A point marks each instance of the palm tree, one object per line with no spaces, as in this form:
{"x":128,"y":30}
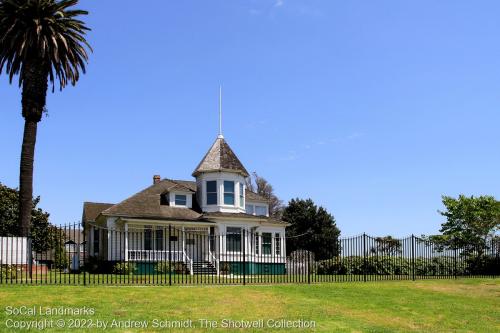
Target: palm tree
{"x":40,"y":41}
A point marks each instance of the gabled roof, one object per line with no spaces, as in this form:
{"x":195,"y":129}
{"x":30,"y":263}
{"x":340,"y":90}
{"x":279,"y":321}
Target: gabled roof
{"x":220,"y":157}
{"x":92,"y":209}
{"x":146,"y":204}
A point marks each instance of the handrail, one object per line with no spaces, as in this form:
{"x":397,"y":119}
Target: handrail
{"x":212,"y":259}
{"x":189,"y":261}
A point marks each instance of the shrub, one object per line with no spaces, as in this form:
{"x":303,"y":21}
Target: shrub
{"x":387,"y":265}
{"x":9,"y":272}
{"x":225,"y":268}
{"x":163,"y":267}
{"x":124,"y":268}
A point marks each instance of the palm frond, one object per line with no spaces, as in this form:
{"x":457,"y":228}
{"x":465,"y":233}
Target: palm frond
{"x":45,"y":31}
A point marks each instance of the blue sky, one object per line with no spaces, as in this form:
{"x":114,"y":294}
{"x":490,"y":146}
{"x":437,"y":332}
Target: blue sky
{"x":374,"y":109}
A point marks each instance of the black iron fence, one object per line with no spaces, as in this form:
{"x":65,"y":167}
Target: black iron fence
{"x":174,"y":255}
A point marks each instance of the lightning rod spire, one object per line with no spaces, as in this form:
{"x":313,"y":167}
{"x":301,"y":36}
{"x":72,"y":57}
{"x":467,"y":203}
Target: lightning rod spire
{"x":220,"y":136}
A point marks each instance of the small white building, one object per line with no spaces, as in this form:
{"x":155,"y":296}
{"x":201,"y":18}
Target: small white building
{"x":14,"y":251}
{"x":212,"y":221}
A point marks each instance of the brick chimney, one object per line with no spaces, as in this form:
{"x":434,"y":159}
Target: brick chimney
{"x":156,"y":179}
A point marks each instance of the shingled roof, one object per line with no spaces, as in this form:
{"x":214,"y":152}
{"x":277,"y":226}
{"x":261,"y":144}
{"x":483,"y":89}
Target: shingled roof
{"x":146,"y":204}
{"x":220,"y":157}
{"x":92,"y":209}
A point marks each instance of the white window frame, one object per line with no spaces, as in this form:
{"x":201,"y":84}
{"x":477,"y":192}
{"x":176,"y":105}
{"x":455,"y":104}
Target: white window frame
{"x":216,"y":193}
{"x":242,"y":239}
{"x":185,"y":200}
{"x":224,"y":193}
{"x":241,"y":188}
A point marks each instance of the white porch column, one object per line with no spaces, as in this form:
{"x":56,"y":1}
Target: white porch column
{"x":183,"y":245}
{"x":109,"y":245}
{"x":126,"y":241}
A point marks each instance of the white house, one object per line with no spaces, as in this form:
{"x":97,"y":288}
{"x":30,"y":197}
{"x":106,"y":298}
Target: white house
{"x":212,"y":222}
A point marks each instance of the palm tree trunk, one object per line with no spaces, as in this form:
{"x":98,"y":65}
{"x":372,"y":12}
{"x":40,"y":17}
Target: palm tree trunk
{"x":33,"y":104}
{"x":26,"y":176}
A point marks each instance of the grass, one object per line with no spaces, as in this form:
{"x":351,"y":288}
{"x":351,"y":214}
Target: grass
{"x":462,"y":305}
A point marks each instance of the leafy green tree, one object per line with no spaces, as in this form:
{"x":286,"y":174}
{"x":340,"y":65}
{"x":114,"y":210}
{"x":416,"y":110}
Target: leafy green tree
{"x":43,"y":235}
{"x":312,"y":228}
{"x":40,"y":41}
{"x":471,"y":222}
{"x":386,"y":246}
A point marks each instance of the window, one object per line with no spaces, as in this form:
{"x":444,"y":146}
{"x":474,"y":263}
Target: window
{"x":164,"y":200}
{"x":261,"y":210}
{"x":159,"y":239}
{"x":212,"y":192}
{"x":249,"y":209}
{"x":180,"y":200}
{"x":242,"y":196}
{"x":228,"y":192}
{"x":277,"y":244}
{"x":148,"y":235}
{"x":256,"y":243}
{"x":233,"y":239}
{"x":189,"y":241}
{"x":266,"y":242}
{"x":96,"y":241}
{"x":173,"y":238}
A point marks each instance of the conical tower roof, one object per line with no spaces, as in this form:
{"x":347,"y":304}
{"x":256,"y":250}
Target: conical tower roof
{"x":220,"y":157}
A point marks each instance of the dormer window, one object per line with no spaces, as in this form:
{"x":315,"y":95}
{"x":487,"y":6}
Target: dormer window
{"x":212,"y":192}
{"x":164,"y":199}
{"x":228,"y":192}
{"x":180,"y":200}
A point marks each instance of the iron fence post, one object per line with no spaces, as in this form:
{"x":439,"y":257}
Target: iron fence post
{"x":169,"y":255}
{"x":244,"y":254}
{"x":85,"y":249}
{"x":308,"y":253}
{"x":455,"y":262}
{"x":364,"y":257}
{"x":413,"y":257}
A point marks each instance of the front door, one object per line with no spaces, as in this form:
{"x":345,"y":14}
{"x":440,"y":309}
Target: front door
{"x":192,"y":248}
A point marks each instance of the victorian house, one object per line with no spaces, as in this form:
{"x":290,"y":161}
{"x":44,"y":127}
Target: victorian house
{"x":211,"y":224}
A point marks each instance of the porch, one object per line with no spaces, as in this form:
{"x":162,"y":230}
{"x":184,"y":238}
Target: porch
{"x":201,"y":249}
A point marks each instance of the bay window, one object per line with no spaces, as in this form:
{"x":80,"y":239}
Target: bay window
{"x":242,"y":196}
{"x":212,"y":192}
{"x":228,"y":192}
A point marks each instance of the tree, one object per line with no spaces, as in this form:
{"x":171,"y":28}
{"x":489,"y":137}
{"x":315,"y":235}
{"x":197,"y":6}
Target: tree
{"x":312,"y":228}
{"x":41,"y":41}
{"x":386,"y":246}
{"x":41,"y":230}
{"x":261,"y":186}
{"x":470,"y":222}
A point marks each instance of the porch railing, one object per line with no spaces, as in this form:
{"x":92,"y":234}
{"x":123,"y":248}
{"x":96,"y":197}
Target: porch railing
{"x":214,"y":261}
{"x":153,"y":255}
{"x":188,"y":261}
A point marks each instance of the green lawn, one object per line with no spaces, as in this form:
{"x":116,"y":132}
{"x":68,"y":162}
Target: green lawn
{"x":463,"y":305}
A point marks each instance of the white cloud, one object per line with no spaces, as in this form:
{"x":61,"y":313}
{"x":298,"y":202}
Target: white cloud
{"x":279,"y":3}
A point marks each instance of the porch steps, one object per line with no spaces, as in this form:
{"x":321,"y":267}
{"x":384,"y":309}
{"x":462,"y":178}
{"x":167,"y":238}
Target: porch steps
{"x":204,"y":267}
